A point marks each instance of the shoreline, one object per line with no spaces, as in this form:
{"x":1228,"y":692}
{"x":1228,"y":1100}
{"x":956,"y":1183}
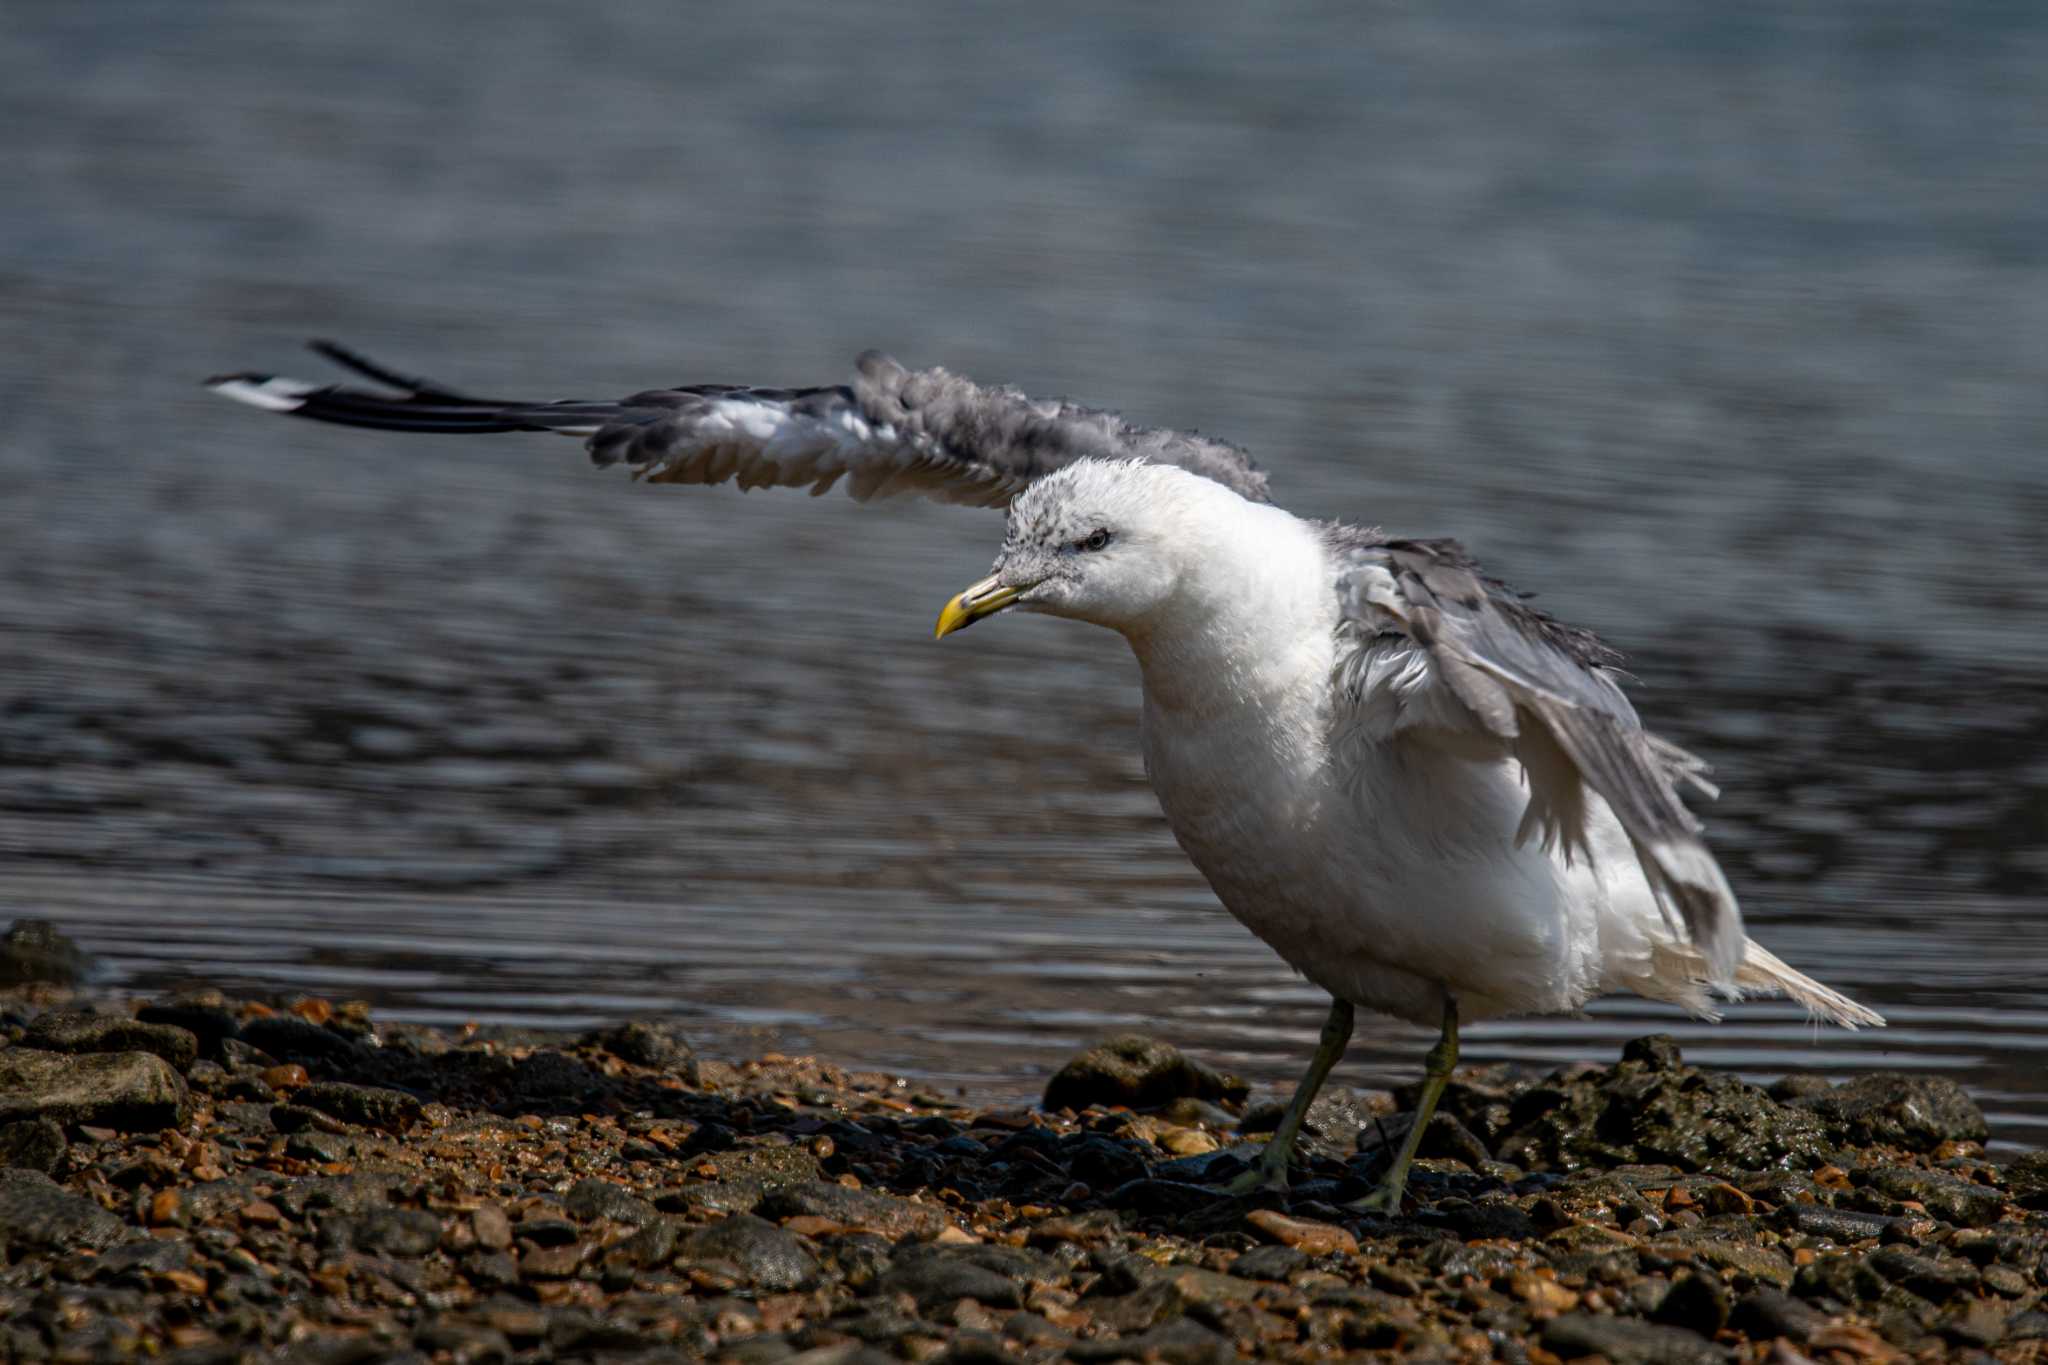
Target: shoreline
{"x":203,"y":1179}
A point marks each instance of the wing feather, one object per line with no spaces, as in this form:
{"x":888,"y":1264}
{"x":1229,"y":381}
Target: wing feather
{"x":891,"y":431}
{"x":1547,"y":692}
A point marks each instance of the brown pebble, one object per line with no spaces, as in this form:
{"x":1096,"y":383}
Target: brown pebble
{"x":312,"y":1010}
{"x":551,"y":1263}
{"x":184,"y":1281}
{"x":1542,"y":1295}
{"x":163,"y":1208}
{"x":262,"y":1212}
{"x":288,"y":1076}
{"x":954,"y":1237}
{"x":493,"y":1227}
{"x":1303,"y":1234}
{"x":811,"y":1225}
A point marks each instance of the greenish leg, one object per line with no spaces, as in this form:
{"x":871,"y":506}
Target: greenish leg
{"x":1271,"y":1168}
{"x":1437,"y":1068}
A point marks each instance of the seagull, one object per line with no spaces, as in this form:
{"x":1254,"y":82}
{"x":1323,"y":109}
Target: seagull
{"x":1430,"y":798}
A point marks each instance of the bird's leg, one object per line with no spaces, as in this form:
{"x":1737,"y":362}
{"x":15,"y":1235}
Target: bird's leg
{"x":1437,"y":1068}
{"x":1270,"y":1170}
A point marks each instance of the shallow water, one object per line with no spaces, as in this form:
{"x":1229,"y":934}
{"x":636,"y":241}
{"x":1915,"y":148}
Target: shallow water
{"x":1722,"y":331}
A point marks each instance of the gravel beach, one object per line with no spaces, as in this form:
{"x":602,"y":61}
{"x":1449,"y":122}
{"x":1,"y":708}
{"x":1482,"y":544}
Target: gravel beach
{"x":204,"y":1179}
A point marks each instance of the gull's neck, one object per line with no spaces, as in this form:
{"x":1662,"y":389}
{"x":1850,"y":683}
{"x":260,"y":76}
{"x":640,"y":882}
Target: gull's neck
{"x":1251,"y":622}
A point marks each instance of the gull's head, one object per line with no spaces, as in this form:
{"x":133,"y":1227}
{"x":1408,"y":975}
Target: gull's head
{"x":1100,"y":541}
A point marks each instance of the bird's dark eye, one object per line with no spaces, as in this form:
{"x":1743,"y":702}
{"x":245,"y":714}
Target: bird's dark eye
{"x":1098,"y":539}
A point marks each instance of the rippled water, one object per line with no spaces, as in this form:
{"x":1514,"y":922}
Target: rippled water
{"x":1722,"y":328}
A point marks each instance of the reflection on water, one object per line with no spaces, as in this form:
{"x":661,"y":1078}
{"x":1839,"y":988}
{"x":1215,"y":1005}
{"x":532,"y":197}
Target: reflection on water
{"x":1747,"y":379}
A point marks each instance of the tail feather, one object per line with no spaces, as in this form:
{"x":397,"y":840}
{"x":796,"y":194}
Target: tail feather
{"x":1762,"y":970}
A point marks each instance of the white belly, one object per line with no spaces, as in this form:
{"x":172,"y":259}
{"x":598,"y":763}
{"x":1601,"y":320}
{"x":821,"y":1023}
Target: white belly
{"x":1388,"y":884}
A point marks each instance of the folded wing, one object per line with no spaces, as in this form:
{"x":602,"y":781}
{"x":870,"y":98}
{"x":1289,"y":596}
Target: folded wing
{"x":1547,"y":692}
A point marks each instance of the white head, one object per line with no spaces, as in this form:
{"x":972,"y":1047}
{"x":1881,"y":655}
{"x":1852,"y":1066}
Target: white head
{"x":1102,"y":541}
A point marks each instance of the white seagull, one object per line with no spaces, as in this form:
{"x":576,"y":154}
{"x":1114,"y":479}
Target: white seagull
{"x":1430,"y":798}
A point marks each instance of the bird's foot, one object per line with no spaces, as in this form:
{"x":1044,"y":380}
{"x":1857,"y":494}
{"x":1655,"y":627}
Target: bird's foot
{"x":1386,"y":1199}
{"x":1268,"y":1172}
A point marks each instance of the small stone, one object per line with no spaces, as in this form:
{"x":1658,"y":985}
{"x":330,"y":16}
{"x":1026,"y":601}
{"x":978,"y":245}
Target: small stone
{"x":591,"y":1198}
{"x":1304,"y":1235}
{"x":1698,"y":1303}
{"x":935,"y":1277}
{"x":493,"y":1228}
{"x":1544,"y":1296}
{"x":1934,"y":1279}
{"x":771,"y":1257}
{"x":551,"y":1263}
{"x":2027,"y":1179}
{"x":123,"y":1090}
{"x":644,"y":1043}
{"x":285,"y":1076}
{"x":32,"y":1144}
{"x":1627,"y":1342}
{"x":1768,"y":1313}
{"x":888,"y":1214}
{"x":1139,"y":1073}
{"x":37,"y":1213}
{"x":166,"y":1209}
{"x":394,"y":1232}
{"x":287,"y":1038}
{"x":1655,"y":1052}
{"x":1945,"y":1196}
{"x":371,"y":1106}
{"x":1269,"y":1263}
{"x":79,"y":1031}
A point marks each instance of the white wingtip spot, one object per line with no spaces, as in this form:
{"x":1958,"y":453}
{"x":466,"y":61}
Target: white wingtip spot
{"x":272,"y":395}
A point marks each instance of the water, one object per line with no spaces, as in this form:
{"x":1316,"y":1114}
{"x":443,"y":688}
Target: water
{"x":1721,"y":328}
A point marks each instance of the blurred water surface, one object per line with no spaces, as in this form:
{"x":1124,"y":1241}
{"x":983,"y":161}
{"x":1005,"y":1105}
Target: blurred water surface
{"x":1723,"y":327}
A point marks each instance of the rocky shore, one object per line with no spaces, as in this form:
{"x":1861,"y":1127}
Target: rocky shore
{"x":201,"y":1179}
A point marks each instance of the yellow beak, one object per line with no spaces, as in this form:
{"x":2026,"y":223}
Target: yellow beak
{"x":985,"y":598}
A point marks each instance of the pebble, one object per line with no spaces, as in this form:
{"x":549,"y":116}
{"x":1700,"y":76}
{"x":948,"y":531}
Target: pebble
{"x":121,"y":1090}
{"x":1304,"y":1235}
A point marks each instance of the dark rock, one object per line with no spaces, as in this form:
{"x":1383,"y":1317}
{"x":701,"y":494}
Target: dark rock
{"x":35,"y":1212}
{"x":652,"y":1245}
{"x":543,"y":1231}
{"x":127,"y":1090}
{"x":131,"y":1258}
{"x":1101,"y":1162}
{"x":2028,"y":1326}
{"x":1838,"y":1225}
{"x":1484,"y":1220}
{"x":320,"y":1147}
{"x":548,"y":1075}
{"x":1180,"y":1342}
{"x":32,"y":952}
{"x":1627,"y":1342}
{"x":935,"y":1276}
{"x":1941,"y":1194}
{"x":1935,"y":1280}
{"x":1645,"y":1111}
{"x":1137,"y":1072}
{"x":32,"y":1145}
{"x":1268,"y":1263}
{"x":773,"y":1258}
{"x":288,"y":1038}
{"x":885,"y":1213}
{"x":591,"y":1198}
{"x":2026,"y":1178}
{"x":644,"y":1043}
{"x":1655,"y":1051}
{"x":393,"y":1232}
{"x":767,"y":1168}
{"x":371,"y":1106}
{"x":1699,"y":1303}
{"x":78,"y":1031}
{"x":209,"y":1023}
{"x":1798,"y":1086}
{"x":1332,"y":1128}
{"x":1845,"y":1279}
{"x":1769,"y":1313}
{"x":1889,"y":1108}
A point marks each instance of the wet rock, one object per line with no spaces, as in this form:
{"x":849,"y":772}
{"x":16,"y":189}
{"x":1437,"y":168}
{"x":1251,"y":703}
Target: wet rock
{"x":1139,"y":1073}
{"x":1933,"y":1279}
{"x":2026,"y":1179}
{"x":287,"y":1038}
{"x":773,"y":1258}
{"x":888,"y":1214}
{"x":1180,"y":1342}
{"x":125,"y":1090}
{"x":132,"y":1258}
{"x":32,"y":952}
{"x":1941,"y":1194}
{"x":1889,"y":1108}
{"x":1269,"y":1263}
{"x":1627,"y":1342}
{"x":32,"y":1145}
{"x":935,"y":1276}
{"x":210,"y":1023}
{"x":1699,"y":1303}
{"x":370,"y":1106}
{"x":1305,"y":1235}
{"x":319,"y":1147}
{"x":393,"y":1232}
{"x":37,"y":1213}
{"x":77,"y":1031}
{"x":651,"y":1245}
{"x":1768,"y":1313}
{"x":1838,"y":1225}
{"x":644,"y":1043}
{"x":592,"y":1198}
{"x":1652,"y":1109}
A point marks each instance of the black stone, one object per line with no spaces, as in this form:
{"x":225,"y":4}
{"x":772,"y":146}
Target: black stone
{"x":936,"y":1276}
{"x":79,"y":1031}
{"x":773,"y":1258}
{"x":1138,"y":1072}
{"x":371,"y":1106}
{"x":1889,"y":1108}
{"x":32,"y":1145}
{"x":1697,"y":1302}
{"x":592,"y":1198}
{"x":1628,"y":1342}
{"x":1765,"y":1314}
{"x":1268,"y":1263}
{"x":32,"y":952}
{"x":36,"y":1213}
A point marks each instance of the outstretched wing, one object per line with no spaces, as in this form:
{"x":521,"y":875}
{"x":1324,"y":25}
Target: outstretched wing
{"x":1493,"y":668}
{"x":891,"y":431}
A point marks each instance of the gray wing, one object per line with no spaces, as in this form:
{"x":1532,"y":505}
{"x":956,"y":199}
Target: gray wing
{"x":891,"y":431}
{"x":1547,"y":692}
